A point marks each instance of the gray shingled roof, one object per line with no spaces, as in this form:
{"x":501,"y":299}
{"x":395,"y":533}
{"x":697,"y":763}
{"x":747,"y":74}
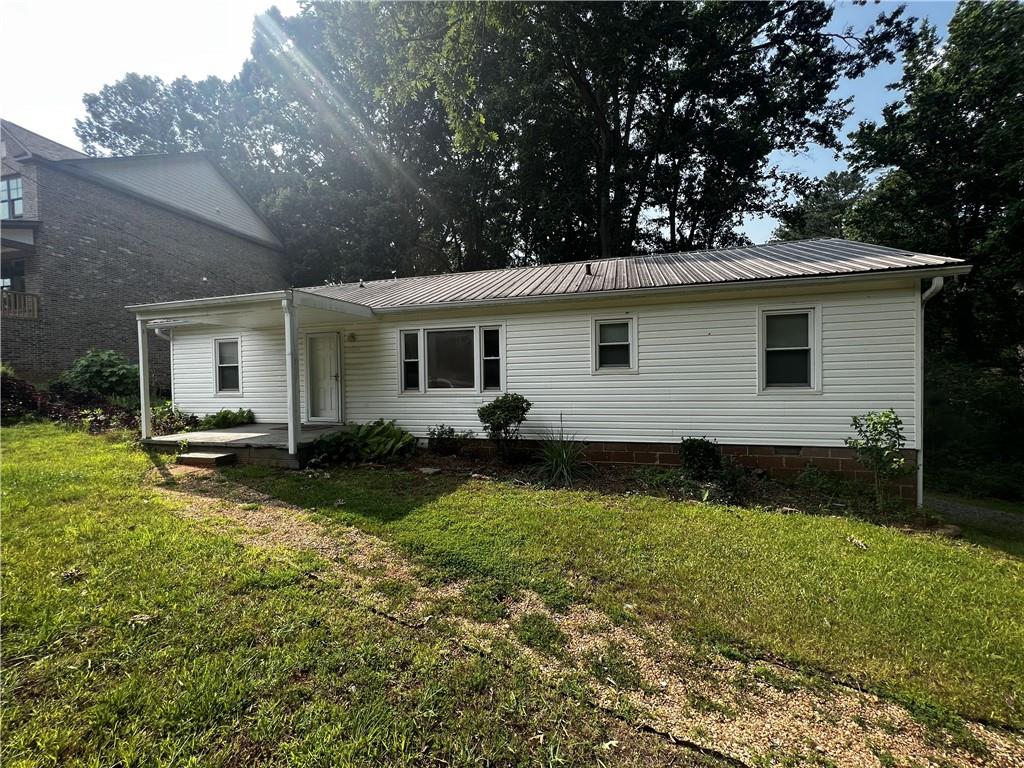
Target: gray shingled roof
{"x":40,"y":146}
{"x":803,"y":258}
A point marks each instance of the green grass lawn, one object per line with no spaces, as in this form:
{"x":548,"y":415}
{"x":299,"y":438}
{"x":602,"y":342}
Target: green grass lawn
{"x":929,"y":621}
{"x":134,"y":637}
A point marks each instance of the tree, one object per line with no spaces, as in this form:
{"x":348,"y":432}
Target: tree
{"x":822,"y":210}
{"x":674,"y":108}
{"x":953,"y":152}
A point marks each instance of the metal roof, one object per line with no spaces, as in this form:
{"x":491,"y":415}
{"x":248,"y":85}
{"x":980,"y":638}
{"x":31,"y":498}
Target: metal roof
{"x":801,"y":258}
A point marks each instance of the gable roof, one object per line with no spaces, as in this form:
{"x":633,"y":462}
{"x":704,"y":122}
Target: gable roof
{"x":31,"y":143}
{"x":794,"y":259}
{"x":188,"y":182}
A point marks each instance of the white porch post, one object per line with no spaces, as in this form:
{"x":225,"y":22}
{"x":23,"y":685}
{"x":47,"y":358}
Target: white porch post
{"x":144,"y":421}
{"x":291,"y":351}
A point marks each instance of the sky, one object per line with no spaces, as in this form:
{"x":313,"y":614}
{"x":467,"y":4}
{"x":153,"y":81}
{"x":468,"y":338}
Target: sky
{"x":72,"y":47}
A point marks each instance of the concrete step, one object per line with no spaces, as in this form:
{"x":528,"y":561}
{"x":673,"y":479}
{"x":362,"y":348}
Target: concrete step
{"x":202,"y":459}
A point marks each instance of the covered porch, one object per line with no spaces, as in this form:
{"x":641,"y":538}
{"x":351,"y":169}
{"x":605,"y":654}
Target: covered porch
{"x":284,"y":314}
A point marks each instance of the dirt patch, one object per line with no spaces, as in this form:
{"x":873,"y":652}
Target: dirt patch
{"x":756,"y":712}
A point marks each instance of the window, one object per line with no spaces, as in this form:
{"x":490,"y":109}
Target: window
{"x":613,"y":345}
{"x":451,"y":359}
{"x":229,"y":369}
{"x":446,"y":359}
{"x":12,"y":275}
{"x":490,"y":363}
{"x":11,"y":198}
{"x":410,"y":361}
{"x":787,"y":349}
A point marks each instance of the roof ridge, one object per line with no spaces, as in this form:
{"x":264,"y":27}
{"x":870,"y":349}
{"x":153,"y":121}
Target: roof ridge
{"x":4,"y":122}
{"x":604,"y":260}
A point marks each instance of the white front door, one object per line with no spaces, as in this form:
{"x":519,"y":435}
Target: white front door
{"x":323,"y":370}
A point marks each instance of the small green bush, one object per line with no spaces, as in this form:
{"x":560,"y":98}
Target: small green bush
{"x":700,"y":458}
{"x":879,"y":446}
{"x":227,"y":418}
{"x":562,"y":458}
{"x":502,"y":418}
{"x":379,"y":441}
{"x":99,"y":374}
{"x":446,"y":441}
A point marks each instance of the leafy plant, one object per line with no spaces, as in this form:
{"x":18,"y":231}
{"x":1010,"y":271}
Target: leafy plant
{"x":98,"y":374}
{"x":227,"y":418}
{"x":700,"y":458}
{"x":562,"y":457}
{"x":18,"y":398}
{"x":502,"y":418}
{"x":879,"y":446}
{"x":379,"y":441}
{"x":444,"y":440}
{"x":168,"y":420}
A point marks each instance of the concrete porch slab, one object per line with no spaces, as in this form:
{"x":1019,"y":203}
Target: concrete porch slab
{"x":269,"y":435}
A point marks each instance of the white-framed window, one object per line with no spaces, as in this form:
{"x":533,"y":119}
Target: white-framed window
{"x":451,"y":359}
{"x":490,"y":359}
{"x":227,"y":357}
{"x":614,"y":345}
{"x":789,"y":350}
{"x":410,"y":353}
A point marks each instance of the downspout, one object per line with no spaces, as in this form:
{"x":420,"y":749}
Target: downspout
{"x":933,"y":289}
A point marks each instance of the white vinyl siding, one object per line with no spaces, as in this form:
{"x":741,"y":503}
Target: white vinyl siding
{"x":697,"y":363}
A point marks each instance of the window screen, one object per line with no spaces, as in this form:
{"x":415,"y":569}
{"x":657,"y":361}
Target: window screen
{"x":787,"y":351}
{"x":450,"y":363}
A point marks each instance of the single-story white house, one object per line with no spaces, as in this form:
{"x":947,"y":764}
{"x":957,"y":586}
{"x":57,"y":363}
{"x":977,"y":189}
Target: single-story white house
{"x":768,"y":350}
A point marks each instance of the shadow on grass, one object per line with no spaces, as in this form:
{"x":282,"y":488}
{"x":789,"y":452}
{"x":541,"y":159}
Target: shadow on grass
{"x":381,"y":496}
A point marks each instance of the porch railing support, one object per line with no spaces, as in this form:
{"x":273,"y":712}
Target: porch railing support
{"x":145,"y":418}
{"x":291,"y":350}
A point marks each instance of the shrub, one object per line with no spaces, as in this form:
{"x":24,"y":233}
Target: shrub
{"x":879,"y":446}
{"x":227,"y":418}
{"x":502,"y":418}
{"x":561,"y":457}
{"x":19,"y":399}
{"x":379,"y":441}
{"x":700,"y":458}
{"x":445,"y":441}
{"x":168,"y":420}
{"x":98,"y":374}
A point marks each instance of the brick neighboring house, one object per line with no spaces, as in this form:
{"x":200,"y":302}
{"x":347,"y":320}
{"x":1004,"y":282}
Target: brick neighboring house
{"x":83,"y":237}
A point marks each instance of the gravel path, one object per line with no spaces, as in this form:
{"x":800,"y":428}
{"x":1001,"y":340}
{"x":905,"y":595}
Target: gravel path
{"x":963,"y":513}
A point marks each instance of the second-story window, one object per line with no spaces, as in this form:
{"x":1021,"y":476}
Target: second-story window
{"x":12,"y":202}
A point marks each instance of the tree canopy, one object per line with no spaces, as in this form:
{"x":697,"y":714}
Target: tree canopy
{"x":443,"y":136}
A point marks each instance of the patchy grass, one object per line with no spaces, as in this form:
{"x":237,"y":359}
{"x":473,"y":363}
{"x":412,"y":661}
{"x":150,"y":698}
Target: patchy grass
{"x":134,"y":637}
{"x":538,"y":631}
{"x":909,"y":615}
{"x":614,"y":666}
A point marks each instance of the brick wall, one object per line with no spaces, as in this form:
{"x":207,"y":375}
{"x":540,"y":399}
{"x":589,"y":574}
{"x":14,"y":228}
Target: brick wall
{"x":780,"y":462}
{"x":99,"y":250}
